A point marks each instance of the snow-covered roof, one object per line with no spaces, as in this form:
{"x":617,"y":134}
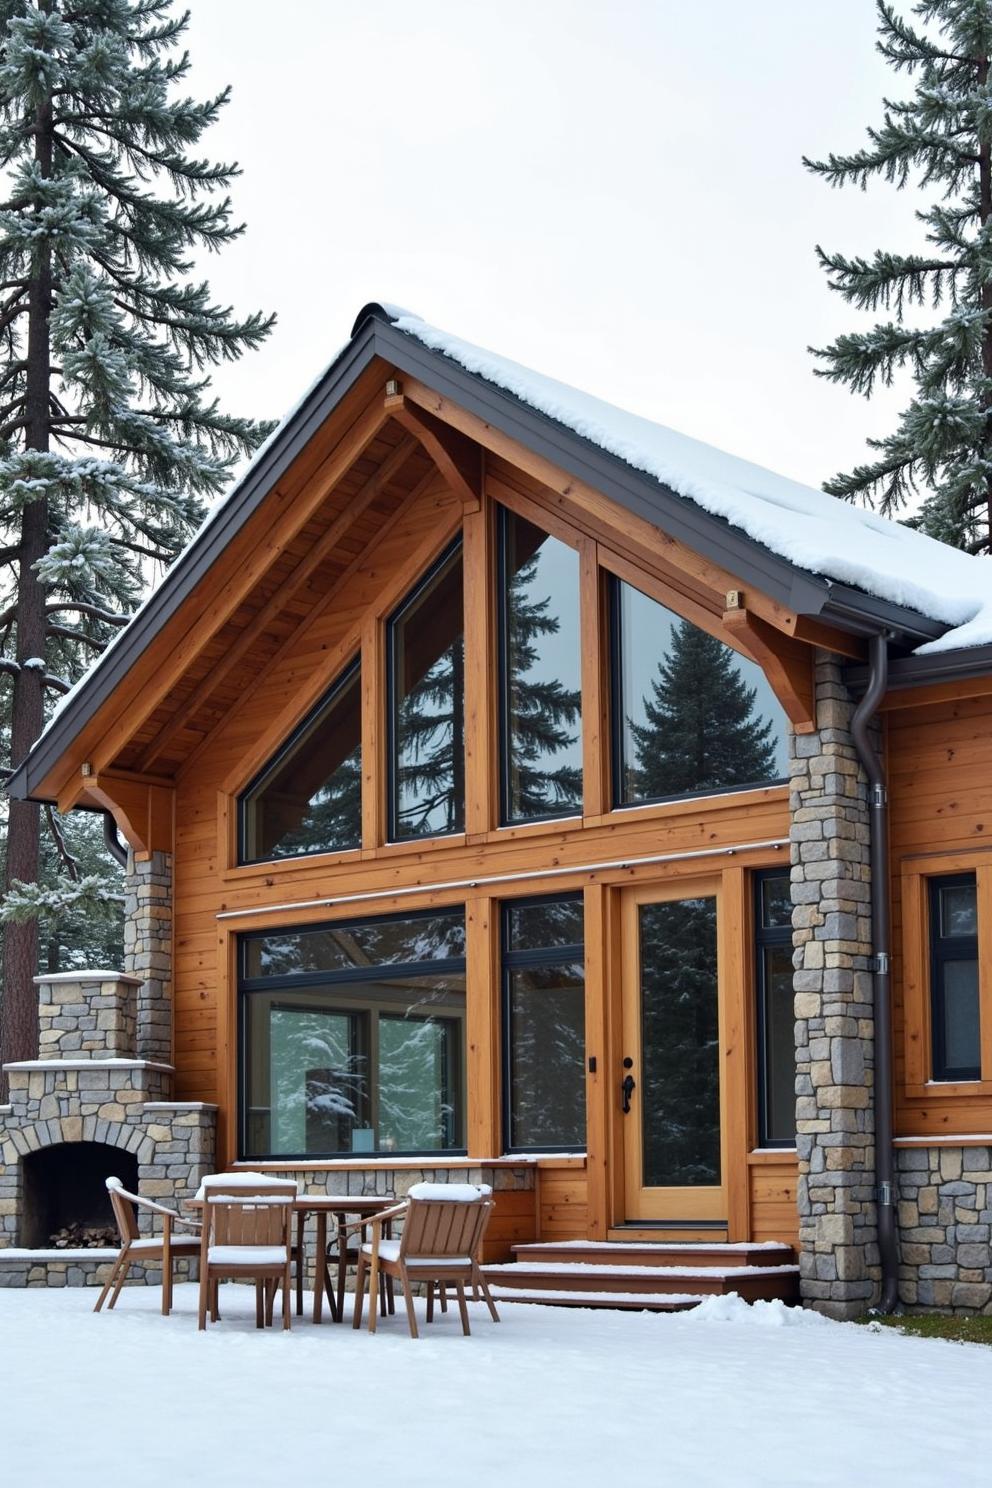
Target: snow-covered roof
{"x":791,"y":528}
{"x":816,"y":532}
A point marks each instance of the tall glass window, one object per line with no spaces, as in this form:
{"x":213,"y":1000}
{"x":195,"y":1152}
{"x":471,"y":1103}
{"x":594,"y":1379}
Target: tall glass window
{"x":680,"y":1043}
{"x":426,"y":655}
{"x":776,"y":1011}
{"x":540,"y":663}
{"x":544,"y":1025}
{"x":954,"y":991}
{"x":309,"y":798}
{"x":353,"y":1037}
{"x":690,"y":715}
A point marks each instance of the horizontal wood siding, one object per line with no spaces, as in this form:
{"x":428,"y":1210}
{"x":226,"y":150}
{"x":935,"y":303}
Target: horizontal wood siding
{"x":563,"y":1201}
{"x":940,"y":774}
{"x":514,"y":1222}
{"x":773,"y":1199}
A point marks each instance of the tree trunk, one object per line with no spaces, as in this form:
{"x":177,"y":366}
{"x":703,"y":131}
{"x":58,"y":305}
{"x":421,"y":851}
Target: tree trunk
{"x":19,"y":1009}
{"x":985,"y":213}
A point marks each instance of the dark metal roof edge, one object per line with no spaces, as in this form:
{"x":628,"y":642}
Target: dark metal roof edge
{"x":195,"y":561}
{"x":962,"y":664}
{"x":711,"y":536}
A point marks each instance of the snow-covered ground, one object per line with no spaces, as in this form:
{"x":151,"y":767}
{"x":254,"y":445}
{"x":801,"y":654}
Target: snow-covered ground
{"x":728,"y":1395}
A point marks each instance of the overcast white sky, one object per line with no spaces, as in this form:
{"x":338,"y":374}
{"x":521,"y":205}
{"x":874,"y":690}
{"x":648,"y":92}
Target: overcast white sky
{"x":611,"y":193}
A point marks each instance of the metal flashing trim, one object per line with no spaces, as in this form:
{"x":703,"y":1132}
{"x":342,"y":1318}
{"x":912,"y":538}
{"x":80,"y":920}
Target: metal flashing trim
{"x":963,"y":663}
{"x":490,"y":879}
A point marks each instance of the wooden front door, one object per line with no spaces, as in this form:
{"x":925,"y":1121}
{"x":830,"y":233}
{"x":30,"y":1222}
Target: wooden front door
{"x":672,"y":1056}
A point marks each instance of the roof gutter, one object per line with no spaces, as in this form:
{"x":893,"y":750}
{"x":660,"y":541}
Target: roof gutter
{"x":881,"y":919}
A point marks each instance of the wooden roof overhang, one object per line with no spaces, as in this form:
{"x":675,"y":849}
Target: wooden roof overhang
{"x":386,"y":419}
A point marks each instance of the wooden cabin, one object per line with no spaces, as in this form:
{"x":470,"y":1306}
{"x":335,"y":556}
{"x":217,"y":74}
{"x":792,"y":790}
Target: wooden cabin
{"x":454,"y":760}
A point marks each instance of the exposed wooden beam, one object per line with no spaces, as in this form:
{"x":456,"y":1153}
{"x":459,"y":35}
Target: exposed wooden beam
{"x":588,"y":509}
{"x":307,"y":566}
{"x":222,"y":602}
{"x":457,"y":457}
{"x":281,"y":729}
{"x":786,"y":662}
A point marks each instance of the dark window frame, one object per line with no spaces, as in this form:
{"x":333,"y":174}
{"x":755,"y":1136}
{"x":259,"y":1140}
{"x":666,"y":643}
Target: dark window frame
{"x":948,"y":948}
{"x":505,"y":771}
{"x":246,"y":986}
{"x":616,"y":697}
{"x":766,"y":937}
{"x":526,"y":960}
{"x":343,"y":679}
{"x":392,"y":774}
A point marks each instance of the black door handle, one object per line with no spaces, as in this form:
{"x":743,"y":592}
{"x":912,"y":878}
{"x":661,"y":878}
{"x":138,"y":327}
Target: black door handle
{"x":626,"y":1090}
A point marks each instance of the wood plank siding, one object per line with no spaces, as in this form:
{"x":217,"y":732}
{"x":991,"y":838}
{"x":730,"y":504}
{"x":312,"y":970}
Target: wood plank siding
{"x":939,"y":753}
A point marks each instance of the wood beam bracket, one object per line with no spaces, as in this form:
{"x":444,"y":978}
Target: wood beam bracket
{"x":786,"y":662}
{"x":142,"y":811}
{"x":457,"y":457}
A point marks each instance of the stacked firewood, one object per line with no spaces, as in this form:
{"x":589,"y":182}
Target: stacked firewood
{"x":84,"y":1237}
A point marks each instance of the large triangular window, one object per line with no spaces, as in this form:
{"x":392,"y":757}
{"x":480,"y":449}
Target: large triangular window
{"x":309,"y":798}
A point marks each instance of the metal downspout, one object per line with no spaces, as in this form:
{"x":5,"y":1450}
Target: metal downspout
{"x":864,"y":714}
{"x":112,"y":841}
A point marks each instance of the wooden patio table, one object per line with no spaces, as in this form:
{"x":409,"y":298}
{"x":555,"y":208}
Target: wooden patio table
{"x":321,"y":1205}
{"x":340,"y":1206}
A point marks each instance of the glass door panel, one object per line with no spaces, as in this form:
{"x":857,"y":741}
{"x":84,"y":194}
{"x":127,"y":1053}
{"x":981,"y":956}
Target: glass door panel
{"x":671,"y":1087}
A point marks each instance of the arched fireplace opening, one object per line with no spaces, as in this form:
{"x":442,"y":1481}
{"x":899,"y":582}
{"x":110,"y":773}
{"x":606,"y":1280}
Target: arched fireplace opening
{"x":65,"y":1193}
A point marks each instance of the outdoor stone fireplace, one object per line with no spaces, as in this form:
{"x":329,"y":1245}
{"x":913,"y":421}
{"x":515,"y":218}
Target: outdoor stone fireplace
{"x":98,"y":1102}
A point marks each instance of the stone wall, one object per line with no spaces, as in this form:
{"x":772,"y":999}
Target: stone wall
{"x":87,"y":1015}
{"x":834,"y":1012}
{"x":123,"y":1105}
{"x":945,"y":1221}
{"x":148,"y":950}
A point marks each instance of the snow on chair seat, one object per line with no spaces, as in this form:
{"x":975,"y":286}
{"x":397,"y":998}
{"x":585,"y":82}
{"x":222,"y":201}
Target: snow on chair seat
{"x":246,"y":1255}
{"x":450,"y":1193}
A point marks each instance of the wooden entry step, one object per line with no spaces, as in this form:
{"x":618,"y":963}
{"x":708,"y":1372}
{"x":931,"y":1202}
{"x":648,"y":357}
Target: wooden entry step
{"x":660,"y":1277}
{"x":624,"y":1301}
{"x":667,"y":1253}
{"x":752,"y":1283}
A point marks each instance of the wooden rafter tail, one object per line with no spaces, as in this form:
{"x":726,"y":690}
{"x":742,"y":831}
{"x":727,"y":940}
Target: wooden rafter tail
{"x":787,"y":663}
{"x":457,"y":457}
{"x":321,"y":550}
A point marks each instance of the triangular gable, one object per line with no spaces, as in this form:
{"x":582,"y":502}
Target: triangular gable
{"x":615,"y":453}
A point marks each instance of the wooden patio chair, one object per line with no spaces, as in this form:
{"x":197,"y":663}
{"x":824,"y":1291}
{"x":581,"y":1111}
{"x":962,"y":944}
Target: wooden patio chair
{"x":441,"y":1244}
{"x":137,"y":1249}
{"x":247,"y":1232}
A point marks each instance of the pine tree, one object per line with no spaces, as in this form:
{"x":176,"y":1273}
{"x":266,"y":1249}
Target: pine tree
{"x":544,"y":713}
{"x":430,"y":721}
{"x":701,"y":730}
{"x":942,"y":447}
{"x":78,"y":898}
{"x":109,"y":441}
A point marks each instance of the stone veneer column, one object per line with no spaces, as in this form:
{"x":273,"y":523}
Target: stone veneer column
{"x":148,"y":950}
{"x":834,"y":1010}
